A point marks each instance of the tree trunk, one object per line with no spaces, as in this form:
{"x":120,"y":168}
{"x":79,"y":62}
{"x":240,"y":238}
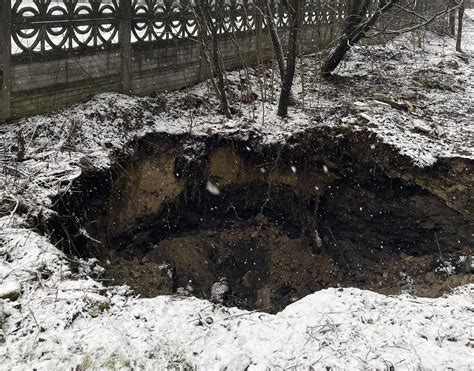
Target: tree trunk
{"x":354,"y":30}
{"x":356,"y":11}
{"x":277,"y":48}
{"x":460,"y":24}
{"x":452,"y":20}
{"x":295,"y":19}
{"x":220,"y":76}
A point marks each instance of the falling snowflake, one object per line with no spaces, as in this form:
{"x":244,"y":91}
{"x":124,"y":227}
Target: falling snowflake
{"x":212,"y":188}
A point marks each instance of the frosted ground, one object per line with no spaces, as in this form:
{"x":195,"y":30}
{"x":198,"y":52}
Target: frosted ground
{"x":69,"y":320}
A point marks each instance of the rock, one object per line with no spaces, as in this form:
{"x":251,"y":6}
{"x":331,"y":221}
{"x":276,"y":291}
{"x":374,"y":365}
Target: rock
{"x":182,"y":291}
{"x":238,"y":363}
{"x":90,"y":268}
{"x":219,"y":291}
{"x":209,"y":320}
{"x":10,"y":290}
{"x":165,"y":278}
{"x":451,"y":181}
{"x":189,"y":288}
{"x":421,"y":127}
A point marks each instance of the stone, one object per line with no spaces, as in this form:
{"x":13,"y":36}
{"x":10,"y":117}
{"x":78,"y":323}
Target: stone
{"x":421,"y":127}
{"x":209,"y":320}
{"x":10,"y":290}
{"x":219,"y":291}
{"x":240,"y":362}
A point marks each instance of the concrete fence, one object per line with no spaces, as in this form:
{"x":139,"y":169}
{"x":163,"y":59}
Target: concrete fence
{"x":58,"y":52}
{"x":54,"y":53}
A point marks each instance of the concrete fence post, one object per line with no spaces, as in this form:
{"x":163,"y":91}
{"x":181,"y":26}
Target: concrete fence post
{"x":125,"y":40}
{"x":5,"y":59}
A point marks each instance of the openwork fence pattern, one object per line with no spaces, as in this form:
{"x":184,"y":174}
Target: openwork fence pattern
{"x":43,"y":25}
{"x":39,"y":26}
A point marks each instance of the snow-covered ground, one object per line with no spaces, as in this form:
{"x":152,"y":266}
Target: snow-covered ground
{"x":61,"y":322}
{"x":58,"y":319}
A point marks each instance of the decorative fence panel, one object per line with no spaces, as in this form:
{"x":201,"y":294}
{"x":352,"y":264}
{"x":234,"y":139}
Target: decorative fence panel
{"x":58,"y":52}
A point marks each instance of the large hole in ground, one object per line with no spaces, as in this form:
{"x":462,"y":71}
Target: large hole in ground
{"x":243,"y":230}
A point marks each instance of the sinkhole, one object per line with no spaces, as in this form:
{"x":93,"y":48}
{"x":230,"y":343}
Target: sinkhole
{"x":259,"y":228}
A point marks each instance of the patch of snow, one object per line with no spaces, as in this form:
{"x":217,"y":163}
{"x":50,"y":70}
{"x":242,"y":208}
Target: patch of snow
{"x":9,"y":288}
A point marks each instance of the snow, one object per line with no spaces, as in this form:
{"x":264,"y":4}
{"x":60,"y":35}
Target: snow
{"x":8,"y":288}
{"x":212,"y":188}
{"x":65,"y":319}
{"x":66,"y":322}
{"x":440,"y":124}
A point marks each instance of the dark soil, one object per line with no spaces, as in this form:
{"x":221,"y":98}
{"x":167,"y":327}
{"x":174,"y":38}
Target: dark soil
{"x":387,"y":238}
